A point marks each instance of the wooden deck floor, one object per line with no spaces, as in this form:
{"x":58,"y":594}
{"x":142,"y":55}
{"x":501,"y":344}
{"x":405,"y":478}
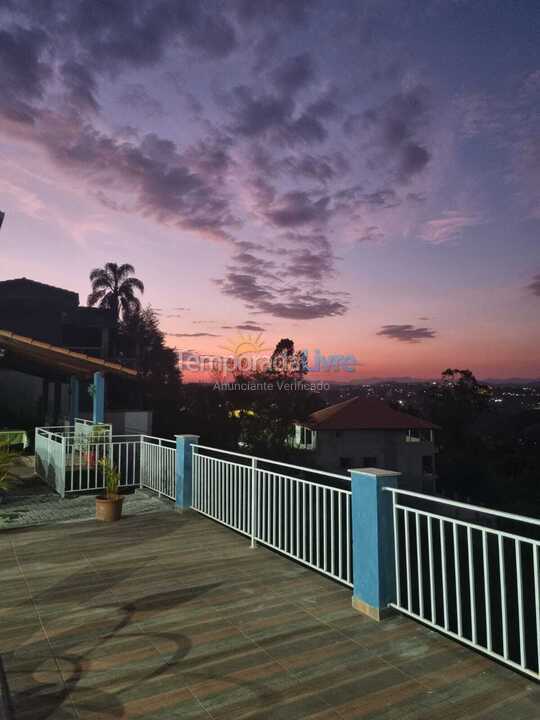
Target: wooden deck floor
{"x":174,"y":616}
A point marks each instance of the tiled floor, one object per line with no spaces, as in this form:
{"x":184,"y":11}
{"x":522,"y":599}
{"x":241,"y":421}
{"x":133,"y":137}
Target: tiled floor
{"x":32,"y":502}
{"x":173,"y":616}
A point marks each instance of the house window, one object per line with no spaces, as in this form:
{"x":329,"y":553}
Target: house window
{"x":345,"y":463}
{"x":427,"y":464}
{"x":370,"y":461}
{"x":306,"y":437}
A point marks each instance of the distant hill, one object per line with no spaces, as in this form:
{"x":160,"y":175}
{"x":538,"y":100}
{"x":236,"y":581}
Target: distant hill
{"x":412,"y":380}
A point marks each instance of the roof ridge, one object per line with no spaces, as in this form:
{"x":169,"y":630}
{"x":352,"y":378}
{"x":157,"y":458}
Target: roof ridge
{"x":38,"y":282}
{"x":361,"y":412}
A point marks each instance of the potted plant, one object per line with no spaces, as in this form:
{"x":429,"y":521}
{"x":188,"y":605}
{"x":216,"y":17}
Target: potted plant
{"x":99,"y":434}
{"x":109,"y":506}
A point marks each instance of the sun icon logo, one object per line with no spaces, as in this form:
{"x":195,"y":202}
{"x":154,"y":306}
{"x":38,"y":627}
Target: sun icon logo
{"x":245,"y":345}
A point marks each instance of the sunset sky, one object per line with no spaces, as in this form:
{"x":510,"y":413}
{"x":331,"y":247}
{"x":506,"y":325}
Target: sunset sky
{"x":363,"y":177}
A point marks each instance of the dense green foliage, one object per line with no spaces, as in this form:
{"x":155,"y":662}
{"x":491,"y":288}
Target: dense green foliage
{"x":142,"y":343}
{"x":487,"y":453}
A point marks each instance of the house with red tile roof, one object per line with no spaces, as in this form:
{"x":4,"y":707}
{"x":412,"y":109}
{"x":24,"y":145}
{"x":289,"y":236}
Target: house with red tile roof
{"x":367,"y":432}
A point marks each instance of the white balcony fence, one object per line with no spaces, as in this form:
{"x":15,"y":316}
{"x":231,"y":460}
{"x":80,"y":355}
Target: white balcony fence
{"x":50,"y":458}
{"x":477,"y":584}
{"x":83,"y":455}
{"x":272,"y":504}
{"x":68,"y":459}
{"x":158,"y":465}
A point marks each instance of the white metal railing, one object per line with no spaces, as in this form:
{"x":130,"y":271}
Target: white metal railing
{"x":478,"y":584}
{"x":84,"y":453}
{"x":158,"y":465}
{"x":303,"y":519}
{"x":68,"y":458}
{"x":50,"y":455}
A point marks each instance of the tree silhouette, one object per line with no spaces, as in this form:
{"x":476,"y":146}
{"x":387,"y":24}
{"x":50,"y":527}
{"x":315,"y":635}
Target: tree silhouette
{"x":113,"y":289}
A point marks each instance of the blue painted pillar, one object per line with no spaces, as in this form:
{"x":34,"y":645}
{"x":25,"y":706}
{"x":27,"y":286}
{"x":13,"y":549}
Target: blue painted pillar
{"x":73,"y":399}
{"x":184,"y":485}
{"x":98,"y":415}
{"x":373,"y":541}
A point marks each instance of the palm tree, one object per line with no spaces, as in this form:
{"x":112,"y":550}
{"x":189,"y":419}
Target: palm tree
{"x":113,"y":289}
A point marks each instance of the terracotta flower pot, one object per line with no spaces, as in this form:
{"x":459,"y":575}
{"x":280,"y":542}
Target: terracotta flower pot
{"x":109,"y":509}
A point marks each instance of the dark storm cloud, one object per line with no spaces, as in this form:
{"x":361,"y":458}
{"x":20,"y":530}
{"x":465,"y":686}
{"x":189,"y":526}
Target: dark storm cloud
{"x":294,"y":74}
{"x":407,"y":333}
{"x":534,"y":286}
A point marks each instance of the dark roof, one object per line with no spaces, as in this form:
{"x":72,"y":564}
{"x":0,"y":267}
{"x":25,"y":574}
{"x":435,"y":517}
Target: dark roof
{"x":24,"y":287}
{"x":361,"y":413}
{"x":61,"y":359}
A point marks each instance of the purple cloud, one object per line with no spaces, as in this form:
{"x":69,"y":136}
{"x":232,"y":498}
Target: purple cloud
{"x":407,"y":333}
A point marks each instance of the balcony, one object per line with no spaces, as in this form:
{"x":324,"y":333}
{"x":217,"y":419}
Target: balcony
{"x":172,"y":615}
{"x":239,"y":606}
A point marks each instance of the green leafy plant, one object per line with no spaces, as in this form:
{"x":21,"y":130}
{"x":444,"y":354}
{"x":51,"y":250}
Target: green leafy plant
{"x":98,"y":434}
{"x":7,"y":456}
{"x":112,"y":477}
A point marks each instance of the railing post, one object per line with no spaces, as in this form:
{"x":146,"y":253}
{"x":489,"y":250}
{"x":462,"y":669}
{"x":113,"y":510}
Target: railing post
{"x":62,"y":468}
{"x":374,"y":576}
{"x":184,"y":470}
{"x":141,"y":469}
{"x":253,"y":502}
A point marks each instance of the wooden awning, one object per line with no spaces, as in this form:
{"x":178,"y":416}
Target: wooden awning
{"x":30,"y":355}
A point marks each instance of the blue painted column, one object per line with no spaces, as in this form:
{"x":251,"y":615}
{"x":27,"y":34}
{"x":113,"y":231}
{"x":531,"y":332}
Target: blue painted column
{"x":373,"y":541}
{"x":184,"y":461}
{"x":73,"y":399}
{"x":98,"y":415}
